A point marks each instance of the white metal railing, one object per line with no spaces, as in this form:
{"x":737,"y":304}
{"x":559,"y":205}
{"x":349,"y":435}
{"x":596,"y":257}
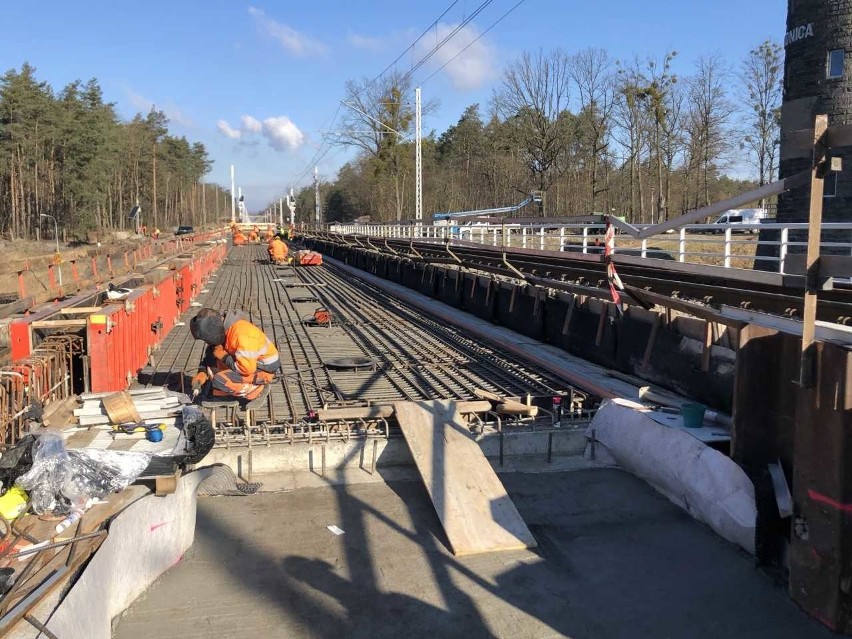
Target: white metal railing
{"x":723,"y":245}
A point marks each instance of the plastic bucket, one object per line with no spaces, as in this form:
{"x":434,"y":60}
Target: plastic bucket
{"x":693,"y":415}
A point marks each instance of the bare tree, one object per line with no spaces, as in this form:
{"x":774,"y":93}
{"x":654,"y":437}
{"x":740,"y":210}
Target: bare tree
{"x":632,"y":132}
{"x":711,"y":112}
{"x":761,"y":76}
{"x":655,"y":94}
{"x":375,"y":113}
{"x":534,"y":93}
{"x":591,"y":71}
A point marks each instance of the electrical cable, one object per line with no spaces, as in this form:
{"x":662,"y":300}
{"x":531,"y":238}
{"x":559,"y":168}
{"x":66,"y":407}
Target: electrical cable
{"x":472,"y":42}
{"x":411,"y":46}
{"x":449,"y":37}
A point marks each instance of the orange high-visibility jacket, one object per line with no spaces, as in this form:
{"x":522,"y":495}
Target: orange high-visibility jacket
{"x":252,"y":236}
{"x":278,"y":249}
{"x":249,"y":349}
{"x":239,"y":238}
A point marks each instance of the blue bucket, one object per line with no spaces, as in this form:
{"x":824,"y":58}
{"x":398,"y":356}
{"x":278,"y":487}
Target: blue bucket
{"x":693,"y":415}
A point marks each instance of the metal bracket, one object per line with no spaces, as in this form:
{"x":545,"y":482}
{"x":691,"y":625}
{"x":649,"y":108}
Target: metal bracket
{"x":389,"y":248}
{"x":450,"y":251}
{"x":414,"y":250}
{"x":520,"y":275}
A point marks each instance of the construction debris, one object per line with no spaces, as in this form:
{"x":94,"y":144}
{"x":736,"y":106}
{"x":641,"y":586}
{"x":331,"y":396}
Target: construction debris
{"x":154,"y":406}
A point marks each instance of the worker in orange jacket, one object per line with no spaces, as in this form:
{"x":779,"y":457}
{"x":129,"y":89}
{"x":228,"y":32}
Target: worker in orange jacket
{"x":253,"y":237}
{"x":240,"y":359}
{"x":239,"y":238}
{"x":270,"y":234}
{"x":278,"y":251}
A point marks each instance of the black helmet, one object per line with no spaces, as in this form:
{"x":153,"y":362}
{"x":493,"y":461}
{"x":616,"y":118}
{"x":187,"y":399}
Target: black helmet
{"x":208,"y":326}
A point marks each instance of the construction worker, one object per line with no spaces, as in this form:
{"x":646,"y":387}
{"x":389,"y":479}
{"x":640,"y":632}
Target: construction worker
{"x":253,"y":237}
{"x":278,"y":251}
{"x":240,"y":359}
{"x":270,"y":234}
{"x":156,"y":233}
{"x":239,"y":238}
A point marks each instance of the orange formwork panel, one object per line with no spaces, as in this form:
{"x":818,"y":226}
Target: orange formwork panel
{"x":121,"y":338}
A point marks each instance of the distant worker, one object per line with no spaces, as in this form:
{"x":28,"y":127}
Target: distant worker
{"x":239,"y":238}
{"x":144,"y":230}
{"x":270,"y":234}
{"x":278,"y":251}
{"x":239,"y":360}
{"x":253,"y":237}
{"x":156,"y":233}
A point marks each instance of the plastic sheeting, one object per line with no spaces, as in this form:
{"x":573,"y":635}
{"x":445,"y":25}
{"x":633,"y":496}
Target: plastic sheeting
{"x":701,"y":480}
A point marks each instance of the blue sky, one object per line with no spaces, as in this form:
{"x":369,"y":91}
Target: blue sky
{"x":270,"y":74}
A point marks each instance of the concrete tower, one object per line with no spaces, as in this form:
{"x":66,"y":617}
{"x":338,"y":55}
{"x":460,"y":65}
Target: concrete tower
{"x":817,"y":79}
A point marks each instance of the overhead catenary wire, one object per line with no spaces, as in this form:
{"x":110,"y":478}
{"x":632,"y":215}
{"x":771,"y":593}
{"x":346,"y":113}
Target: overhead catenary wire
{"x":446,"y":39}
{"x":326,"y":145}
{"x":413,"y":44}
{"x":472,"y":42}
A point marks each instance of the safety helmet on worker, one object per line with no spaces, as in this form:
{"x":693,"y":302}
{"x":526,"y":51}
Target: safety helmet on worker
{"x":208,"y":326}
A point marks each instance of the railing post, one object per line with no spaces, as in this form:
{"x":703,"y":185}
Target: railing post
{"x":782,"y":249}
{"x":728,"y":247}
{"x":681,"y":245}
{"x":585,"y":239}
{"x":494,"y":236}
{"x":541,"y":239}
{"x":644,"y":248}
{"x":524,"y":237}
{"x":561,"y":237}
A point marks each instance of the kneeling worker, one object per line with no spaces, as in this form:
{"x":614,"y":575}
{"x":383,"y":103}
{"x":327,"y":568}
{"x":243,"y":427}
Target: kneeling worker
{"x":240,"y":359}
{"x":278,"y":251}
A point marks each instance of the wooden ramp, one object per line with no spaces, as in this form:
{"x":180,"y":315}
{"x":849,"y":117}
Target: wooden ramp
{"x":472,"y":504}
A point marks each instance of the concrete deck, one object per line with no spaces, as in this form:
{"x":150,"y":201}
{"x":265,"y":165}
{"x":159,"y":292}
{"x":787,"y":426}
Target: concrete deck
{"x":615,"y":560}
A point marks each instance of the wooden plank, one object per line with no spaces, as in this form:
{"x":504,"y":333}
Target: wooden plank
{"x":63,"y":323}
{"x":652,"y":341}
{"x":568,"y":314}
{"x":166,"y":484}
{"x":472,"y":504}
{"x":154,"y":417}
{"x":690,"y":308}
{"x":707,"y":347}
{"x":81,"y":310}
{"x":823,"y":331}
{"x":387,"y":410}
{"x":806,"y":369}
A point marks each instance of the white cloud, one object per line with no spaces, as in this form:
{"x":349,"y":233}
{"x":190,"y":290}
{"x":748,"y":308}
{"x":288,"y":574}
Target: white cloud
{"x":365,"y":43}
{"x":294,"y":42}
{"x":251,"y":124}
{"x":473,"y":68}
{"x":282,"y":133}
{"x":226,"y":130}
{"x":173,"y":113}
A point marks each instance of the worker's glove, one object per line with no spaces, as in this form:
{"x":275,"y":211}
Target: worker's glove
{"x":219,"y":352}
{"x":198,"y":382}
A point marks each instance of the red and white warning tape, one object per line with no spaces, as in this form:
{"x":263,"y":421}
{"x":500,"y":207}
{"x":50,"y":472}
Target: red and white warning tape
{"x":615,"y":284}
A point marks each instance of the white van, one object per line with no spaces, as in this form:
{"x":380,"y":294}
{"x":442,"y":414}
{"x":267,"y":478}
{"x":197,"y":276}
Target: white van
{"x":741,"y":216}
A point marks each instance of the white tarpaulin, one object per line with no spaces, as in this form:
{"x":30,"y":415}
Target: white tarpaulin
{"x":701,"y":480}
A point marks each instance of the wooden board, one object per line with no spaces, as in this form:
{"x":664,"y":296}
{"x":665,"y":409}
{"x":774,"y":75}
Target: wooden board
{"x":471,"y":502}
